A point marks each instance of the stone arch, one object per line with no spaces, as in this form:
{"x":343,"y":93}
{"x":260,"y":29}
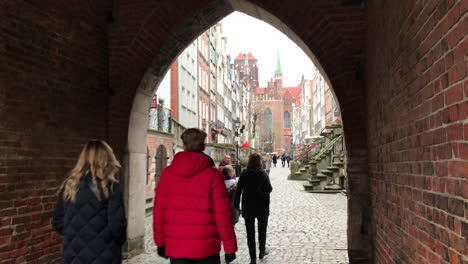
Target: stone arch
{"x":339,"y":60}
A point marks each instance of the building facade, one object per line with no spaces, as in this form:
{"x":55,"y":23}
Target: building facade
{"x":184,"y":87}
{"x":273,"y":111}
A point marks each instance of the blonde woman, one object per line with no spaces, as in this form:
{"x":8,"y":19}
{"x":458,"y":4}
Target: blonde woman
{"x":90,"y":212}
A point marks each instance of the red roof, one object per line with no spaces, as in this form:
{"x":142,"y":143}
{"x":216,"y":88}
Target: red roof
{"x":251,"y":57}
{"x":259,"y":90}
{"x":241,"y":56}
{"x":293,"y":91}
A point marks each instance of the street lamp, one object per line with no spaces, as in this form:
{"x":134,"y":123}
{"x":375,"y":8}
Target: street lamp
{"x":237,"y":140}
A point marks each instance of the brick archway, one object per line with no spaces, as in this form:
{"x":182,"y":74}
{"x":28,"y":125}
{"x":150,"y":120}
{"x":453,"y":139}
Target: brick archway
{"x":339,"y":59}
{"x":70,"y":71}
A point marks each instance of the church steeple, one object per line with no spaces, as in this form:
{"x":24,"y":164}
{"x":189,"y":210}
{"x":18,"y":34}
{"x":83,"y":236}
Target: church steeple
{"x":278,"y":70}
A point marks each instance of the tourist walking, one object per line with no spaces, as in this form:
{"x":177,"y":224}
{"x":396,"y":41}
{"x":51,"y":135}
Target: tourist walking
{"x":226,"y":161}
{"x":192,"y":213}
{"x":254,"y":187}
{"x":275,"y":159}
{"x":90,"y":211}
{"x":288,"y":158}
{"x":283,"y":159}
{"x":266,"y":165}
{"x":231,"y":187}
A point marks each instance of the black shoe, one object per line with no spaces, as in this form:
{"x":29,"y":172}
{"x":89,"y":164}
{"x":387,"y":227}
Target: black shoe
{"x":264,"y":253}
{"x":253,"y":261}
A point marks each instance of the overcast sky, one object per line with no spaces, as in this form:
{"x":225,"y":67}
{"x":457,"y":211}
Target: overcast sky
{"x":247,"y":34}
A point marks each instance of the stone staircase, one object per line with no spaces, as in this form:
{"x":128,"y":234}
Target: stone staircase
{"x":325,"y":172}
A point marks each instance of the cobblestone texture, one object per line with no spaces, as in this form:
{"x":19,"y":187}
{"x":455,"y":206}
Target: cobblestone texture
{"x":303,"y":228}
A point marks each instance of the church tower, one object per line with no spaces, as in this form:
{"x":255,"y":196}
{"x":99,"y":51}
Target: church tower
{"x":278,"y":78}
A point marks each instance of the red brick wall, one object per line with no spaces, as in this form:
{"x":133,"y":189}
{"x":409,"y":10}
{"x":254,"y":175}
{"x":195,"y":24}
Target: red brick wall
{"x":53,"y":98}
{"x":418,"y":131}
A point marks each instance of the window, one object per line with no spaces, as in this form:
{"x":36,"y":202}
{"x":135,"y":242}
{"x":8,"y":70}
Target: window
{"x":287,"y":120}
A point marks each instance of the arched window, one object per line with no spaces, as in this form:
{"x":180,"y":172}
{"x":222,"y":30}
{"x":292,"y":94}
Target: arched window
{"x":161,"y":161}
{"x":287,"y":120}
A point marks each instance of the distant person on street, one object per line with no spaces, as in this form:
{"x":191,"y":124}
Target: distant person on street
{"x":231,"y":187}
{"x":266,"y":165}
{"x":283,"y":159}
{"x":254,"y":187}
{"x":90,"y":211}
{"x":226,"y":161}
{"x":192,"y":211}
{"x":275,"y":160}
{"x":288,"y":158}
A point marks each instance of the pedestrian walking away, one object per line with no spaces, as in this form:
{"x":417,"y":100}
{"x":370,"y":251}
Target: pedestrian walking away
{"x":254,"y":187}
{"x":283,"y":159}
{"x":275,"y":160}
{"x":192,"y":211}
{"x":90,"y":211}
{"x":231,"y":187}
{"x":266,"y":164}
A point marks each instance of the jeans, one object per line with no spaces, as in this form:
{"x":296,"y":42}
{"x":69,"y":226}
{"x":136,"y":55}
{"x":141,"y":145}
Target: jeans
{"x":208,"y":260}
{"x":262,"y":229}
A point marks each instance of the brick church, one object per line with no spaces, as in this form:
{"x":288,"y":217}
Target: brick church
{"x":272,"y":106}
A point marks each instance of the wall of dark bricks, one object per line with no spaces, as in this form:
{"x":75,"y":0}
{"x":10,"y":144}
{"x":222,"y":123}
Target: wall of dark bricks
{"x":418,"y":151}
{"x":53,"y":74}
{"x":69,"y":71}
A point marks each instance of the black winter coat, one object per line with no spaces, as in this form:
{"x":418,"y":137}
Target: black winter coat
{"x":93,"y":231}
{"x":254,"y":186}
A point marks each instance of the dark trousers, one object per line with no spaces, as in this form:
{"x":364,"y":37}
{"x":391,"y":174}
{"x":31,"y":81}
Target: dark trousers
{"x":283,"y":162}
{"x":262,"y":229}
{"x":208,"y":260}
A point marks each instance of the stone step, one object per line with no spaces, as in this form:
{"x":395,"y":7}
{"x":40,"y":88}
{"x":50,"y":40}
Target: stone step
{"x":313,"y":162}
{"x":308,"y":186}
{"x":333,"y":168}
{"x":314,"y":181}
{"x":338,"y":164}
{"x":321,"y":176}
{"x":326,"y":172}
{"x":325,"y":191}
{"x":333,"y":187}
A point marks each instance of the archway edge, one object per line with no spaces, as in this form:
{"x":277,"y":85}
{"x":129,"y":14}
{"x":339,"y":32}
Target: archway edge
{"x":343,"y":77}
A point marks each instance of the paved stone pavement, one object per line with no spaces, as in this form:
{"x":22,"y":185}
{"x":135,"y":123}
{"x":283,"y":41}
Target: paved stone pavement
{"x":304,"y":228}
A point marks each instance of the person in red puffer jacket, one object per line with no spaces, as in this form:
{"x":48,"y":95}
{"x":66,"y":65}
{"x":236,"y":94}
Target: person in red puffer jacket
{"x":192,"y":211}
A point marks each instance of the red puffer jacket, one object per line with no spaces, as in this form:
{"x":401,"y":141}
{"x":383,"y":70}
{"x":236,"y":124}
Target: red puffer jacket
{"x":192,"y":212}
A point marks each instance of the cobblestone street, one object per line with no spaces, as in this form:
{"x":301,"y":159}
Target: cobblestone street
{"x":303,"y":227}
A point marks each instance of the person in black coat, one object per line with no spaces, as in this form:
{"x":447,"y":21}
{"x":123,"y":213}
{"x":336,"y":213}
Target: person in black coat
{"x":254,"y":186}
{"x":90,"y":211}
{"x":275,"y":160}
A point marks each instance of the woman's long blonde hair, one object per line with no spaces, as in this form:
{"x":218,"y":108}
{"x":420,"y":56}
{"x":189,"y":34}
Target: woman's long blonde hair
{"x":97,"y":159}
